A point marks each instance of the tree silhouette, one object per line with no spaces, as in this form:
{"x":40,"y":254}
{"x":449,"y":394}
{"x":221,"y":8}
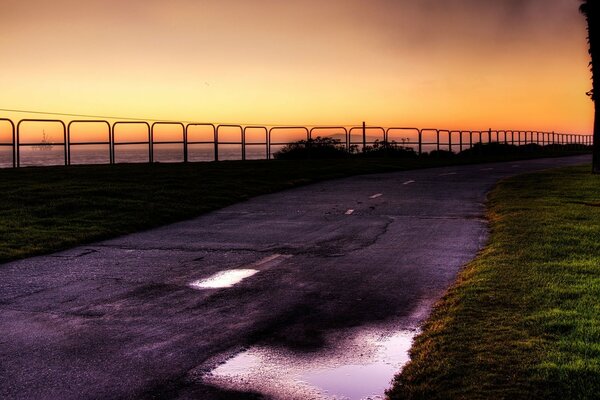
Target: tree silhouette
{"x":590,"y":8}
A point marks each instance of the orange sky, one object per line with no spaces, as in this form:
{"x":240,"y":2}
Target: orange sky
{"x":456,"y":64}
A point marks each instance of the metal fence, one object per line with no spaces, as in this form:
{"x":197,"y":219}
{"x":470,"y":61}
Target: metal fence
{"x":269,"y":138}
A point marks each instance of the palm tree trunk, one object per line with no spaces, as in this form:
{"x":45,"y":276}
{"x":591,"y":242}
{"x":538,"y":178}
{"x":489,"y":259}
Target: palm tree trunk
{"x":591,"y":10}
{"x":596,"y":147}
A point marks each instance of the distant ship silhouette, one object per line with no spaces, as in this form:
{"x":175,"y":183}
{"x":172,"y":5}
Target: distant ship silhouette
{"x":45,"y":144}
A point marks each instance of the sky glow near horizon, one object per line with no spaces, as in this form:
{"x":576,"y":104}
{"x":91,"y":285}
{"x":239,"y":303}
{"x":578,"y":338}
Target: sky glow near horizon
{"x":453,"y":64}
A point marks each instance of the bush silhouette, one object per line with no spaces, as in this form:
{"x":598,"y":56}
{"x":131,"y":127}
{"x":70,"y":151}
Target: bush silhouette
{"x":321,"y":147}
{"x":388,"y":149}
{"x":325,"y":147}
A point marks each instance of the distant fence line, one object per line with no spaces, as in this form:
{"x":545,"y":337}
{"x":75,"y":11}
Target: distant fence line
{"x":419,"y":139}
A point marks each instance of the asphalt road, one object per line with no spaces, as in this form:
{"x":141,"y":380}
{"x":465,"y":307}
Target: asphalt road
{"x":119,"y":319}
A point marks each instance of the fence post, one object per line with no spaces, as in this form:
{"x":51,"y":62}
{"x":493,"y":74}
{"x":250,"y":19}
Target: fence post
{"x":18,"y":147}
{"x":185,"y":143}
{"x":364,"y":134}
{"x":67,"y":150}
{"x":111,"y":147}
{"x":14,"y":149}
{"x":243,"y":145}
{"x":268,"y":145}
{"x":151,"y":146}
{"x":216,"y":143}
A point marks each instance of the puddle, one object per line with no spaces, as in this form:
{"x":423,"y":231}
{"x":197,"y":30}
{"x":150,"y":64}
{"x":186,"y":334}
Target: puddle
{"x":368,"y":380}
{"x":360,"y":368}
{"x":223,"y":279}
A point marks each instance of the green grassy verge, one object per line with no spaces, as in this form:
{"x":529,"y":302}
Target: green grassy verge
{"x":53,"y":208}
{"x":523,"y":319}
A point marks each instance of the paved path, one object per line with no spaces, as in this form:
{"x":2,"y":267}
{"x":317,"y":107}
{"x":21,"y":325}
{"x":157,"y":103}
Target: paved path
{"x":118,"y":319}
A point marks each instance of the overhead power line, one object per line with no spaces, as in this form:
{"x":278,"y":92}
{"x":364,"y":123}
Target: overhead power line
{"x":83,"y":115}
{"x":37,"y":112}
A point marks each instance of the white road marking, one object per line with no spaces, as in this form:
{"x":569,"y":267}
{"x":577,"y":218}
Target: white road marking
{"x":349,"y":212}
{"x":376,"y":195}
{"x":408,"y":182}
{"x":449,"y":173}
{"x":231,"y":277}
{"x":223,"y":279}
{"x":267,"y":259}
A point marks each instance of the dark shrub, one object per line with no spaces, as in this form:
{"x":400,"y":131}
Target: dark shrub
{"x":489,"y":149}
{"x":441,"y":154}
{"x":388,"y":149}
{"x":312,"y":148}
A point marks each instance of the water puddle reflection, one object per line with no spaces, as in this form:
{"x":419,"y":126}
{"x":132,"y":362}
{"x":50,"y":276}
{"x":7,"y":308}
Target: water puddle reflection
{"x":362,"y":368}
{"x":370,"y":380}
{"x":223,"y":279}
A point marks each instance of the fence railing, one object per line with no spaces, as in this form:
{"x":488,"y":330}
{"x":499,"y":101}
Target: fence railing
{"x":269,"y":137}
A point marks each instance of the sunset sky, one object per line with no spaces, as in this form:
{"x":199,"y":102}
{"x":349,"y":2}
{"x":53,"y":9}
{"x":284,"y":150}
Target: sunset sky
{"x":456,"y":64}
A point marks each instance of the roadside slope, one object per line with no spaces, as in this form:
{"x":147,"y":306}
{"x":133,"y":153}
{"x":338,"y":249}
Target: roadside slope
{"x":523,"y":319}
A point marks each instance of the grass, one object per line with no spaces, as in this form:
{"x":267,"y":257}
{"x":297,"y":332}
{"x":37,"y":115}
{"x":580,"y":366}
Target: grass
{"x":523,"y":319}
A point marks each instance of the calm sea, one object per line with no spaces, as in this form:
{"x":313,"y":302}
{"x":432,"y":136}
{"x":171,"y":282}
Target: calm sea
{"x":166,"y":153}
{"x":99,"y":154}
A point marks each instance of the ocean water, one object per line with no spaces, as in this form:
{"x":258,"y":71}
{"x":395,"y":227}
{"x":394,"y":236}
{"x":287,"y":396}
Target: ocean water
{"x":99,"y":154}
{"x":164,"y":153}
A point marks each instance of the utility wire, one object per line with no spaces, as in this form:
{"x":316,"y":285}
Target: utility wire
{"x":157,"y":120}
{"x":356,"y":125}
{"x":77,"y":115}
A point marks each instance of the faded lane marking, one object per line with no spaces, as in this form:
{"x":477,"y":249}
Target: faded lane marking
{"x":408,"y":182}
{"x":487,"y":169}
{"x":231,"y":277}
{"x":516,"y":166}
{"x":449,"y":173}
{"x":349,"y":212}
{"x":223,"y":279}
{"x":376,"y":195}
{"x":267,"y":259}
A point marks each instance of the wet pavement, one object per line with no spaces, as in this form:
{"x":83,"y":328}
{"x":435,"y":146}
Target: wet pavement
{"x":354,"y":364}
{"x":308,"y":288}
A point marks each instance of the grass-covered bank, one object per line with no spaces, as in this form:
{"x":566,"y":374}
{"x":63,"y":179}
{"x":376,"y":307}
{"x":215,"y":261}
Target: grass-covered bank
{"x":52,"y":208}
{"x":523,"y":320}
